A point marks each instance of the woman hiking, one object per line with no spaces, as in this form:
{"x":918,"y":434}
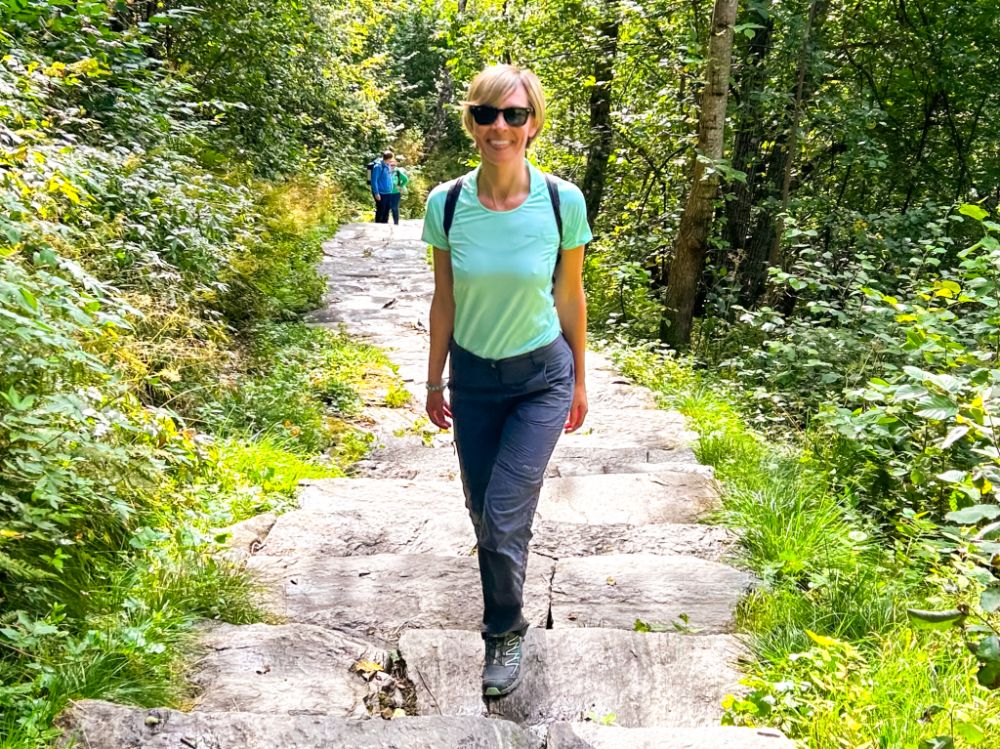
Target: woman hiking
{"x":510,"y":313}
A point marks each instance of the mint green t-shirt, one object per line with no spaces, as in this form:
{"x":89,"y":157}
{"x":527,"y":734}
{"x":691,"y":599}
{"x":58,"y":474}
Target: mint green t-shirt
{"x":502,"y":263}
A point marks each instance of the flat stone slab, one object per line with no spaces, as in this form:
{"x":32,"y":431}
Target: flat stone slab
{"x":406,"y":458}
{"x":366,"y":528}
{"x":631,"y":499}
{"x":379,"y":596}
{"x":288,"y":668}
{"x":632,"y":427}
{"x":616,"y":589}
{"x":644,"y":679}
{"x":426,"y":522}
{"x":594,"y":736}
{"x":102,"y":725}
{"x":560,"y":540}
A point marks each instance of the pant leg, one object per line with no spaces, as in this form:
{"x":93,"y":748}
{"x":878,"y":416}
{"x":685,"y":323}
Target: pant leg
{"x":530,"y":433}
{"x":382,"y":209}
{"x":478,"y":421}
{"x":394,"y":206}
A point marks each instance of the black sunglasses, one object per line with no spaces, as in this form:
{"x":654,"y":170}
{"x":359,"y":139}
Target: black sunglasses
{"x":484,"y":114}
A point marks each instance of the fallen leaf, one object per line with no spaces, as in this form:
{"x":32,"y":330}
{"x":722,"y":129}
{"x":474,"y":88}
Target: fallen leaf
{"x":367,"y":667}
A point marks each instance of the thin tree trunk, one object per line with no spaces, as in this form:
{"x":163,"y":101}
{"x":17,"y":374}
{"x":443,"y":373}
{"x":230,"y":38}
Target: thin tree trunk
{"x":749,"y":157}
{"x":601,"y":130}
{"x":446,"y":96}
{"x":774,"y":255}
{"x":929,"y":112}
{"x":690,"y":246}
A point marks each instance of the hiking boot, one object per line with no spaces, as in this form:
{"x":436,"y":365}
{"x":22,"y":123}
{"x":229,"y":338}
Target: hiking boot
{"x":502,"y":671}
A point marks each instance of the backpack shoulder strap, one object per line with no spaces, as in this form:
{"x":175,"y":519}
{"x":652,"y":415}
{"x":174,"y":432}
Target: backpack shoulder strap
{"x":554,"y":197}
{"x":450,"y":201}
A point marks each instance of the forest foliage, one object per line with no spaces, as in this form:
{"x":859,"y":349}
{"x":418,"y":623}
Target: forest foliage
{"x":167,"y":169}
{"x":163,"y":203}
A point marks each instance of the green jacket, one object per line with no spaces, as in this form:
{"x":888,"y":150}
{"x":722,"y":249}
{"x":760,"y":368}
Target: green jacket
{"x":399,"y":180}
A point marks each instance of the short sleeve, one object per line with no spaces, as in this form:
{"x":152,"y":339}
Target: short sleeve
{"x":573,"y":208}
{"x":433,"y":233}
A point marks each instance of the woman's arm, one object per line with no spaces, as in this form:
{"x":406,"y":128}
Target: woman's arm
{"x":442,"y":324}
{"x":571,"y":306}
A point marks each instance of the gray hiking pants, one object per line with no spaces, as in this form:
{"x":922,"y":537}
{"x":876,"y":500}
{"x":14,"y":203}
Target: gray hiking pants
{"x":508,"y":415}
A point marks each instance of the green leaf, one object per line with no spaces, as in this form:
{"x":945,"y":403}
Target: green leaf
{"x":937,"y":407}
{"x":972,"y":515}
{"x":989,"y":601}
{"x":29,"y":299}
{"x":969,"y":731}
{"x":938,"y":742}
{"x":935,"y":619}
{"x":973,"y":211}
{"x":988,"y":675}
{"x":988,"y":650}
{"x":953,"y":436}
{"x":952,"y":477}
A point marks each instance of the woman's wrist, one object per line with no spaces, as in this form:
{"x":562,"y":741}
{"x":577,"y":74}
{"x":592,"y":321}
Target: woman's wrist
{"x":436,"y":387}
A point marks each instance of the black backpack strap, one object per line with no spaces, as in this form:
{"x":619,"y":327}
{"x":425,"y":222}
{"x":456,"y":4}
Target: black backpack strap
{"x":554,"y":197}
{"x":450,"y":201}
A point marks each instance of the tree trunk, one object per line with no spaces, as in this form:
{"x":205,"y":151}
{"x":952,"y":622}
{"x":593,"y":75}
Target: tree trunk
{"x":776,"y":295}
{"x":601,"y":130}
{"x":446,"y":96}
{"x":690,"y":246}
{"x":749,"y":157}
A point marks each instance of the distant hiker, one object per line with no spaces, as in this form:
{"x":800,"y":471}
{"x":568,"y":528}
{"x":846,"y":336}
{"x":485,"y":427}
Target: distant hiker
{"x":381,"y":182}
{"x":368,"y":175}
{"x":400,"y":179}
{"x":515,"y":335}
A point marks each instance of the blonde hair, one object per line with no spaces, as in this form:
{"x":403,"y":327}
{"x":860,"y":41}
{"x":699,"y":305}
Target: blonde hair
{"x":496,"y":83}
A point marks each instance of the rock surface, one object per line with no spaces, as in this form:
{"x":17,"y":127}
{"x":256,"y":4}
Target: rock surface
{"x":380,"y":596}
{"x":593,"y":736}
{"x":645,"y":679}
{"x":615,"y":590}
{"x":101,"y":725}
{"x":289,"y":668}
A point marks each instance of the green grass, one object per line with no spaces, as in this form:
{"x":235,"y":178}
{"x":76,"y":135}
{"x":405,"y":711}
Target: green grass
{"x":835,"y":663}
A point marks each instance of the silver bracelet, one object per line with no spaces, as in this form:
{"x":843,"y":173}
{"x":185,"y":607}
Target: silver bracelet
{"x":439,"y":388}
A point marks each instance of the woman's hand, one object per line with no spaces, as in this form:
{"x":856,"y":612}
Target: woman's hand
{"x":438,"y":410}
{"x":577,"y":411}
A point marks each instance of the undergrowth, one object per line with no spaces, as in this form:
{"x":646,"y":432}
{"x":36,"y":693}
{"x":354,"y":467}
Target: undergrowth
{"x":835,"y":660}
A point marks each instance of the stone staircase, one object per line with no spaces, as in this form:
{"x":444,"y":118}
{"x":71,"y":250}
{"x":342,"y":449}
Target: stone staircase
{"x":376,"y":580}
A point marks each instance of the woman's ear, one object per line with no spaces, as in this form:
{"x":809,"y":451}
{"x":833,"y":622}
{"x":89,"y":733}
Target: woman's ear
{"x":533,"y":134}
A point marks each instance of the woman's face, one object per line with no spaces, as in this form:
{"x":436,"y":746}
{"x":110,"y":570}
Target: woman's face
{"x":500,"y":143}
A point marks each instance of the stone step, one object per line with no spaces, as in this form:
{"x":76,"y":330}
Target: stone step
{"x":629,"y":498}
{"x":379,"y":596}
{"x":615,"y":590}
{"x":594,"y":736}
{"x":102,"y":725}
{"x":287,"y":668}
{"x":645,"y":679}
{"x":357,"y":526}
{"x":635,"y":427}
{"x":406,"y":457}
